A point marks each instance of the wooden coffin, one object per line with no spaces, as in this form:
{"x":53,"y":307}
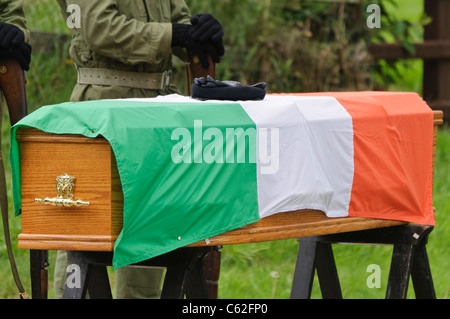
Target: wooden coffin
{"x":44,"y":157}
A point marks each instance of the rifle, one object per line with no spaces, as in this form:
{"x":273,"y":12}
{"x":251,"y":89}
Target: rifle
{"x":194,"y":69}
{"x":12,"y":83}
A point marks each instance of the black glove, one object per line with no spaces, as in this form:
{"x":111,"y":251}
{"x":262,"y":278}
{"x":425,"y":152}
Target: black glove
{"x":202,"y":38}
{"x":22,"y":54}
{"x":10,"y":35}
{"x":13,"y":45}
{"x":206,"y":28}
{"x":181,"y":37}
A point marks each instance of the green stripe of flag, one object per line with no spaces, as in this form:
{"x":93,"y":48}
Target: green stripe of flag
{"x":188,"y":170}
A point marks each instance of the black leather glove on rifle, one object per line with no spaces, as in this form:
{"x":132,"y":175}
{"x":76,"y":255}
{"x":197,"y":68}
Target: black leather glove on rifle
{"x":13,"y":45}
{"x":10,"y":35}
{"x":203,"y":37}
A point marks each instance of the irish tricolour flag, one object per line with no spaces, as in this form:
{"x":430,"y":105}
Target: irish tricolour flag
{"x":192,"y":169}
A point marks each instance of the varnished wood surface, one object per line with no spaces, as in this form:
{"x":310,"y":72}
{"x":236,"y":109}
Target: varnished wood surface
{"x":12,"y":84}
{"x":296,"y":224}
{"x":45,"y":156}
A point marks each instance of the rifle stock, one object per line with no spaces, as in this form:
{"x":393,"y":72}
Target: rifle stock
{"x":196,"y":70}
{"x":212,"y":263}
{"x":12,"y":83}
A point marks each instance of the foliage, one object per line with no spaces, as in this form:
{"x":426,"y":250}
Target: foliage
{"x":297,"y":45}
{"x":291,"y":45}
{"x":301,"y":46}
{"x":404,"y":74}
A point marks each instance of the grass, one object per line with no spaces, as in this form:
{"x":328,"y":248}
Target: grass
{"x":263,"y":270}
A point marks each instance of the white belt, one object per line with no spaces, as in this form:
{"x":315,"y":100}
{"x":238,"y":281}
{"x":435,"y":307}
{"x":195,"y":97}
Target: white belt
{"x":138,"y":80}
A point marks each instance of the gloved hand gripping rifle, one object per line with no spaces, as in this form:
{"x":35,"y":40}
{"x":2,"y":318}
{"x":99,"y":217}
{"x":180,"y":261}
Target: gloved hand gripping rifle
{"x":194,"y":69}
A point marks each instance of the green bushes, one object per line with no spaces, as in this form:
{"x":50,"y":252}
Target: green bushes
{"x":303,"y":46}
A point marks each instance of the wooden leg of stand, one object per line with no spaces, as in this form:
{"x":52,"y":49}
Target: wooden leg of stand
{"x":409,"y":259}
{"x":304,"y":270}
{"x":196,"y":288}
{"x":313,"y":255}
{"x":76,"y":281}
{"x":400,"y":271}
{"x":327,"y":272}
{"x":87,"y":273}
{"x":421,"y":274}
{"x":39,"y":274}
{"x":174,"y":286}
{"x":212,"y":272}
{"x":185,"y":274}
{"x":98,"y":282}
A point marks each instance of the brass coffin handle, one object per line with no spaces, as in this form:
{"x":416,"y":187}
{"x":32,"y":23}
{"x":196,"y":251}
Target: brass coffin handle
{"x":64,"y":187}
{"x":62,"y":202}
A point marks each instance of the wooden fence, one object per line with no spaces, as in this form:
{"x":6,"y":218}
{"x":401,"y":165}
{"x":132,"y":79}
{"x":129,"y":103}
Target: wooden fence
{"x":435,"y":53}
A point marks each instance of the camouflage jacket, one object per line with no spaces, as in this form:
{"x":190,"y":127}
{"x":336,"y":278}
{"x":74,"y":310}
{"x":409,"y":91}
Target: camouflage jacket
{"x":11,"y":11}
{"x":127,"y":35}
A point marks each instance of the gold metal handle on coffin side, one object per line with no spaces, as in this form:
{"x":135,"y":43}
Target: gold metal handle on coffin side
{"x":64,"y":187}
{"x":62,"y":202}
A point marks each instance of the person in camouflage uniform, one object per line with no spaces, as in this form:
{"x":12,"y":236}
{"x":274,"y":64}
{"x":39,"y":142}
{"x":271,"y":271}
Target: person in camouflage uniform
{"x":123,"y":49}
{"x":135,"y":36}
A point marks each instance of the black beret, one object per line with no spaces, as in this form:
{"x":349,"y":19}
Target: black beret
{"x":210,"y":89}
